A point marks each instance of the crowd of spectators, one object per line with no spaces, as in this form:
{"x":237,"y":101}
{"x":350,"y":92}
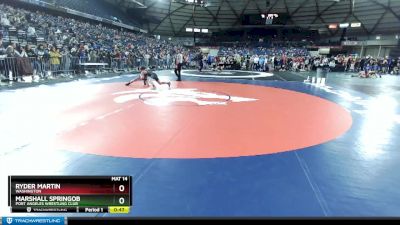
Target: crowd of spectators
{"x":366,"y":66}
{"x":298,"y":59}
{"x":263,"y":58}
{"x":58,"y":43}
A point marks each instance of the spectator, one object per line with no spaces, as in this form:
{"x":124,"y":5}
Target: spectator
{"x":3,"y":55}
{"x":31,"y":31}
{"x":66,"y":59}
{"x":54,"y":59}
{"x":2,"y":49}
{"x":22,"y":52}
{"x":4,"y":21}
{"x":11,"y":67}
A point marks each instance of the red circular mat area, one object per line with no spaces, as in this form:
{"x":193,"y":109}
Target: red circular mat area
{"x":213,"y":120}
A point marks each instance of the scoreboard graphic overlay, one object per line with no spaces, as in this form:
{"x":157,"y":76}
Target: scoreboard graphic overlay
{"x":70,"y":194}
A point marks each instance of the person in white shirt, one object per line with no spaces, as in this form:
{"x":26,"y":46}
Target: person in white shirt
{"x":31,"y":31}
{"x":4,"y":21}
{"x":168,"y":61}
{"x":256,"y":60}
{"x":23,"y":53}
{"x":251,"y":62}
{"x":146,"y":59}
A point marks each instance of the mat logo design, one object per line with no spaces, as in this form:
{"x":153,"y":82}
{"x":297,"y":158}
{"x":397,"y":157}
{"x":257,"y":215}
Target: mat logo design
{"x":9,"y":220}
{"x":221,"y":73}
{"x":176,"y":96}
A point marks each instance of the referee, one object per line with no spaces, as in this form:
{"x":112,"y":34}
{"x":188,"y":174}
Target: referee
{"x":178,"y":65}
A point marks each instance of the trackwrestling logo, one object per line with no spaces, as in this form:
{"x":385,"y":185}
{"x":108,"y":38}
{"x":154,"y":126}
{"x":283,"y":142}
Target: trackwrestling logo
{"x":178,"y":96}
{"x":34,"y":220}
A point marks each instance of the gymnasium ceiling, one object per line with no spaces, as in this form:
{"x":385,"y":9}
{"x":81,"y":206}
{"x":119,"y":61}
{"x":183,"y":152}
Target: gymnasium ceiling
{"x":171,"y":17}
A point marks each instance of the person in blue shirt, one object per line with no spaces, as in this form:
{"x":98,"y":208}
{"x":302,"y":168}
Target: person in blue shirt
{"x":261,"y":63}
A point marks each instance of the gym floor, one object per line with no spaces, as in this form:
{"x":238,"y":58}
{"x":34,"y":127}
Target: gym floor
{"x":229,"y":144}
